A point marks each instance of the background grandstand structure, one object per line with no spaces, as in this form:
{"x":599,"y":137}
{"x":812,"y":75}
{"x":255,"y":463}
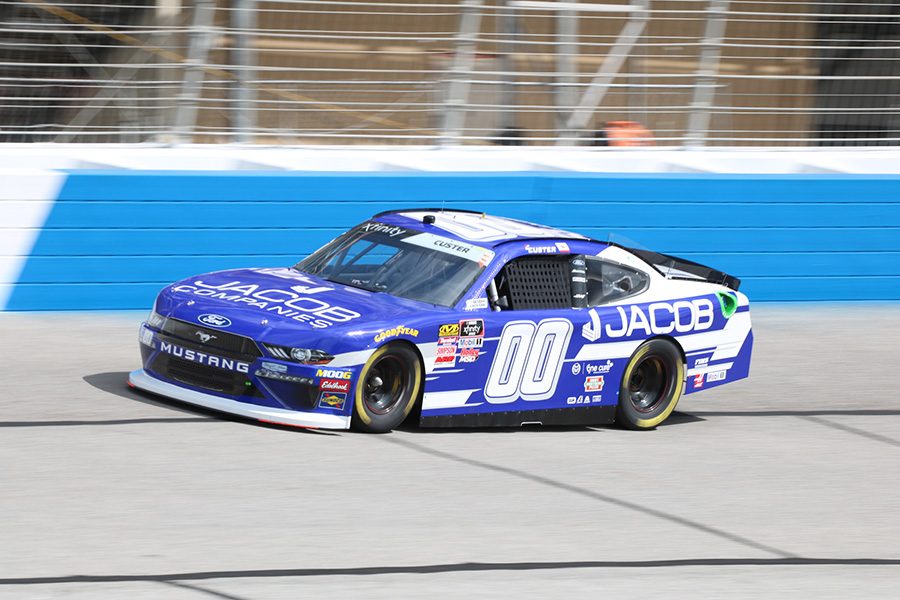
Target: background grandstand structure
{"x":515,"y":72}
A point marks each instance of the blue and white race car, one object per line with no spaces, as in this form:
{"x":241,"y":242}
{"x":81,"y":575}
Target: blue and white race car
{"x":458,"y":318}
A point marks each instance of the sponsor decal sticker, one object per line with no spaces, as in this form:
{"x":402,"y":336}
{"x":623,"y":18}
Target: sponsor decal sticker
{"x":471,"y":328}
{"x":592,"y":369}
{"x":471,"y":342}
{"x":562,"y":247}
{"x":659,"y":318}
{"x":445,"y":361}
{"x":395,"y":332}
{"x":541,"y":249}
{"x":468,"y":355}
{"x":203,"y":358}
{"x":214,"y":320}
{"x":269,"y":374}
{"x":333,"y":374}
{"x":476,"y":304}
{"x":584,"y":399}
{"x":701,"y":362}
{"x":576,"y":368}
{"x":445,"y":351}
{"x":373,"y":227}
{"x":275,"y":367}
{"x":593,"y":383}
{"x":698,"y":381}
{"x":447,"y":341}
{"x":333,"y":400}
{"x":448,"y":329}
{"x":448,"y":246}
{"x":715,"y":376}
{"x":295,"y":303}
{"x":334,"y":385}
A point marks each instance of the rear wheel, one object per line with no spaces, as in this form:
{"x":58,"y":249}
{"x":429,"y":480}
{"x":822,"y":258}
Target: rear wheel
{"x":387,"y":390}
{"x":652,"y":384}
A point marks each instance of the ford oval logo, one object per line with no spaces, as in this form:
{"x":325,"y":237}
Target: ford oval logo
{"x":215,"y":320}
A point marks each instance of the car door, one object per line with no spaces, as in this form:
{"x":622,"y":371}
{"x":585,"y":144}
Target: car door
{"x":524,"y":359}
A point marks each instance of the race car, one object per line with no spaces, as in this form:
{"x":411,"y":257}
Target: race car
{"x":457,"y":318}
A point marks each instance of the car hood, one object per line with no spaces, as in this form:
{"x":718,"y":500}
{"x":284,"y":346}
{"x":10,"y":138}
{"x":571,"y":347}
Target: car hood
{"x":276,"y":304}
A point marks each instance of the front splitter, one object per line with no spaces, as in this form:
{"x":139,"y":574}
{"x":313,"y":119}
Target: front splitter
{"x":144,"y":381}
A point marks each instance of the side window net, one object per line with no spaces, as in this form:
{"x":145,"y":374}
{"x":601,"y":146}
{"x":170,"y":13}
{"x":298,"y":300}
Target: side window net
{"x":538,"y":282}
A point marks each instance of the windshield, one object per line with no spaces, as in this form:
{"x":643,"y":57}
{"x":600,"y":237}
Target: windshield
{"x":401,"y":262}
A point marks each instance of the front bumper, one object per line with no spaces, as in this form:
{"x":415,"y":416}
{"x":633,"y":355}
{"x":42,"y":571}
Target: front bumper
{"x":144,"y":381}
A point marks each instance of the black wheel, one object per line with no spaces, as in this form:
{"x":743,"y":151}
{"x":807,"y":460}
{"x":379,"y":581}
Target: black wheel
{"x":652,"y":384}
{"x":387,"y":390}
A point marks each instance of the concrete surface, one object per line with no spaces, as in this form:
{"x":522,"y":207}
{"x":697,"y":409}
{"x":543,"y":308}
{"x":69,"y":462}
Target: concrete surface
{"x":781,"y":486}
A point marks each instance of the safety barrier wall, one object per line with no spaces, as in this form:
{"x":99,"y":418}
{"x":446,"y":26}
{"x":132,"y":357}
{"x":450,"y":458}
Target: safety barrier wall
{"x":113,"y":239}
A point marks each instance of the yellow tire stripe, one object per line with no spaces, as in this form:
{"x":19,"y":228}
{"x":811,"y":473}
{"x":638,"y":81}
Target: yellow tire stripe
{"x":360,"y":403}
{"x":679,"y":381}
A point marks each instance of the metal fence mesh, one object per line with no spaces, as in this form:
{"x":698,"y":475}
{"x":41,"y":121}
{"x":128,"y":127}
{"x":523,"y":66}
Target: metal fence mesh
{"x":690,"y":72}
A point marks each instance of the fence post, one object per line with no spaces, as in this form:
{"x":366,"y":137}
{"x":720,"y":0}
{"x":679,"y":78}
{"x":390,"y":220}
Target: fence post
{"x":463,"y":65}
{"x":201,"y":39}
{"x":243,"y":27}
{"x":707,"y":68}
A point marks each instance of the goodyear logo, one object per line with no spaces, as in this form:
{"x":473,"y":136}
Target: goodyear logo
{"x":332,"y":374}
{"x":448,"y":329}
{"x":399,"y":330}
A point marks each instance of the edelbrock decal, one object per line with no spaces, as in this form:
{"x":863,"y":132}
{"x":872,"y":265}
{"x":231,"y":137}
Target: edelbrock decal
{"x":658,"y":318}
{"x":295,"y":303}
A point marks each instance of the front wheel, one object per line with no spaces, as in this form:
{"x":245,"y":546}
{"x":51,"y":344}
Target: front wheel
{"x":652,"y":384}
{"x":387,"y":389}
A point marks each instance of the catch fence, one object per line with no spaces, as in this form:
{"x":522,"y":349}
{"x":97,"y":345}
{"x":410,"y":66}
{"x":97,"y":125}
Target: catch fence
{"x":512,"y":72}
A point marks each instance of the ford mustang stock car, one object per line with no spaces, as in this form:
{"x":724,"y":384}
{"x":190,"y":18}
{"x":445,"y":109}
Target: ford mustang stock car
{"x":455,"y":317}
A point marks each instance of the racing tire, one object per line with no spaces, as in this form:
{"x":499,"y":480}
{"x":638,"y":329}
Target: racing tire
{"x":652,"y":384}
{"x":387,"y":390}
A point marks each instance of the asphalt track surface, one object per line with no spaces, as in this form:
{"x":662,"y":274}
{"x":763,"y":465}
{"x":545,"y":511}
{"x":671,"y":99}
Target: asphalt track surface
{"x":782,"y":486}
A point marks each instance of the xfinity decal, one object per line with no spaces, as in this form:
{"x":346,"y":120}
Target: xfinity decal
{"x":204,"y":359}
{"x":659,"y":318}
{"x":294,"y":302}
{"x":390,"y":230}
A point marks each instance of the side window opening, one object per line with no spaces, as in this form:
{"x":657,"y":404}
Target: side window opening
{"x":534,"y":282}
{"x":609,"y":282}
{"x":563,"y":281}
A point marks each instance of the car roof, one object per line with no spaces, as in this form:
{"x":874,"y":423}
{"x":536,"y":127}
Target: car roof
{"x":471,"y":226}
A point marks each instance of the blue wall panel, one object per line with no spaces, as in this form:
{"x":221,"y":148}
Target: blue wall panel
{"x":113,"y":239}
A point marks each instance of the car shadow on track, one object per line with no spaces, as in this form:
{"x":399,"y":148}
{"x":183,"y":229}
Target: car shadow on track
{"x":116,"y":383}
{"x":411,"y":426}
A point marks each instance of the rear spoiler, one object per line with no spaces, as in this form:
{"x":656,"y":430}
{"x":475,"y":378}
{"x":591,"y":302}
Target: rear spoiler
{"x":679,"y":268}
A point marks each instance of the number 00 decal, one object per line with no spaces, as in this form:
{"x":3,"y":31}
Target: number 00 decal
{"x":528,"y":360}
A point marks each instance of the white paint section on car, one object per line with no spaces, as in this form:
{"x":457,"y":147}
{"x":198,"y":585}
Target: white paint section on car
{"x":26,"y":198}
{"x":450,"y":399}
{"x":486,"y":228}
{"x":726,"y":341}
{"x":351,"y":359}
{"x":710,"y":368}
